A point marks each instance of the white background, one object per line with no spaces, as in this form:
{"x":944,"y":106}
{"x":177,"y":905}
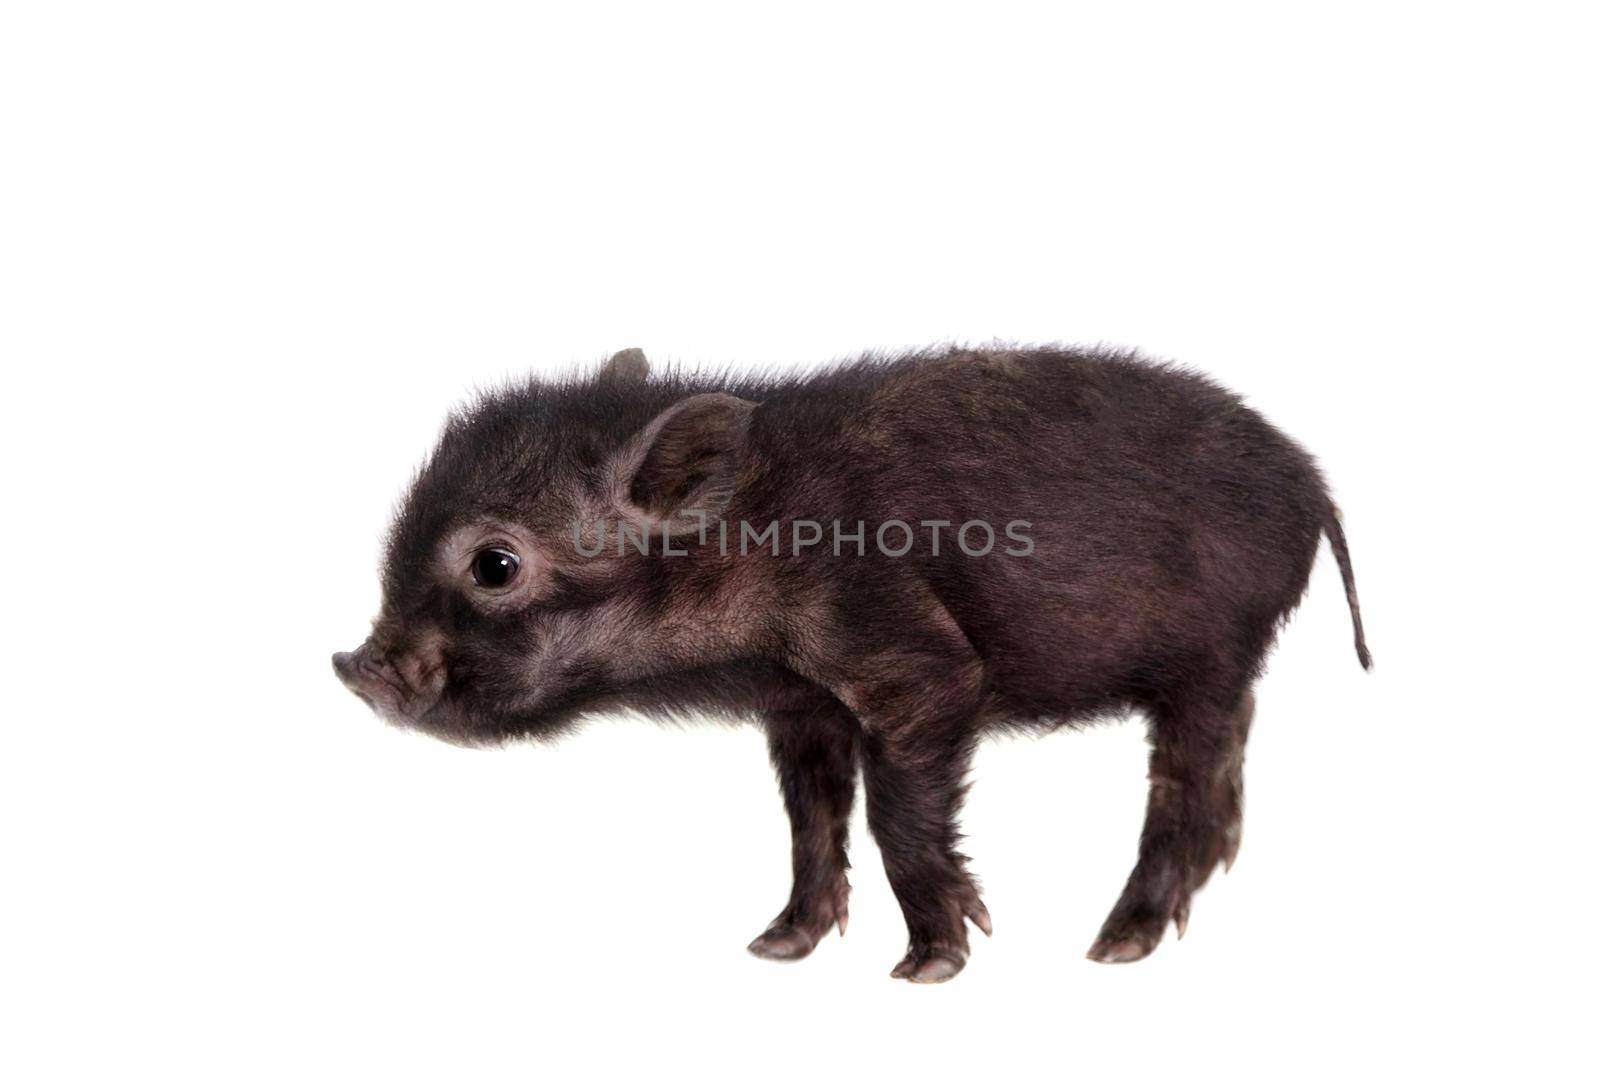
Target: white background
{"x":252,"y":253}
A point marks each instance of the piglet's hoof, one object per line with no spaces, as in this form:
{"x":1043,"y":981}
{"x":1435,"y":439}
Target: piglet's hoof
{"x":930,"y":965}
{"x":783,"y":943}
{"x":1122,"y":950}
{"x":1125,"y":942}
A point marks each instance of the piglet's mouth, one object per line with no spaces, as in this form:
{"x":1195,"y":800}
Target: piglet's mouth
{"x":384,"y":688}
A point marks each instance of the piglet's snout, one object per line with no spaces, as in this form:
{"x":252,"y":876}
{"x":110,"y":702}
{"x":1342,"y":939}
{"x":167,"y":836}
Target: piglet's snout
{"x":368,"y":677}
{"x":403,"y":685}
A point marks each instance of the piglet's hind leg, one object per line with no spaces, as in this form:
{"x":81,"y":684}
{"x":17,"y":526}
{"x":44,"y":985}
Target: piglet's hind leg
{"x":1191,"y":824}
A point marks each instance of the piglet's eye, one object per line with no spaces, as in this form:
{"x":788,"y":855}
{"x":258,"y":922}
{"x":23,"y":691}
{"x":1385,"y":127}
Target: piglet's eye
{"x":494,"y":568}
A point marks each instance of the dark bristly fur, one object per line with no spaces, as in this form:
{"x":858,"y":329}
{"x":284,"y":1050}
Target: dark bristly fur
{"x":1172,"y":530}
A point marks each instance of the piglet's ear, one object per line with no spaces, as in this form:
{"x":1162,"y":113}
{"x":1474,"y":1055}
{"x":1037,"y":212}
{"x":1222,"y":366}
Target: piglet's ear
{"x":629,"y":365}
{"x":687,"y":460}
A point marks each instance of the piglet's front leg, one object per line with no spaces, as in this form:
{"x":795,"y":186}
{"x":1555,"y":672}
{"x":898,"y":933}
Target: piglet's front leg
{"x":913,"y":792}
{"x":814,"y":751}
{"x":917,"y":702}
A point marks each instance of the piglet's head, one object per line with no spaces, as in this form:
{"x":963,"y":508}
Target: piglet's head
{"x":498,"y":619}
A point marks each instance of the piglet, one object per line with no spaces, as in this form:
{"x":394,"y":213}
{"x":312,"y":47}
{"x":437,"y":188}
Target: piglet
{"x":878,"y":563}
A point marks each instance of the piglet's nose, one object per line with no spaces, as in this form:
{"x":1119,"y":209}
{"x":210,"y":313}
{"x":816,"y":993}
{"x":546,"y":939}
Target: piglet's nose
{"x":361,"y":675}
{"x":366,"y":678}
